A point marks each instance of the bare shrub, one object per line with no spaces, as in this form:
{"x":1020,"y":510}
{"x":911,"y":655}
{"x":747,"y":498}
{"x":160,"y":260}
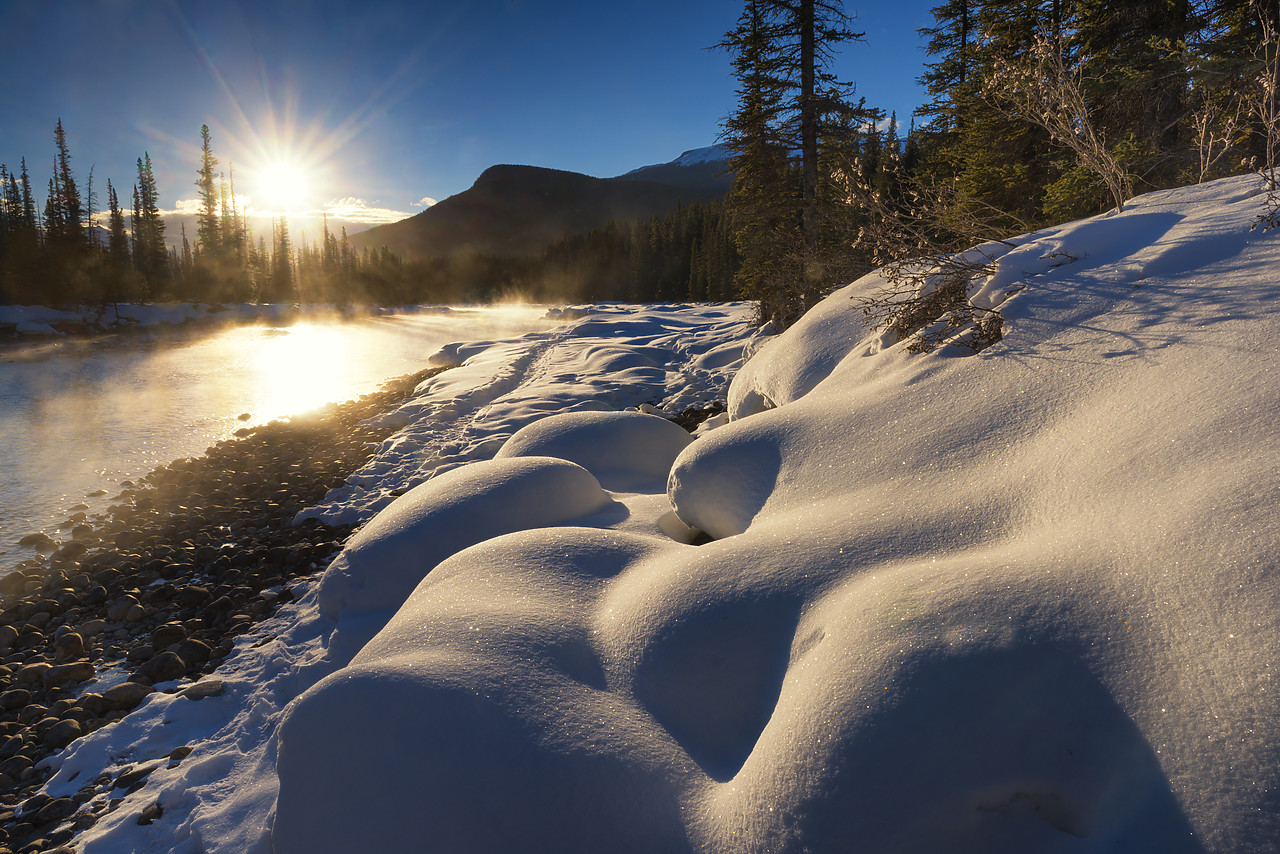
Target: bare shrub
{"x":1264,"y":105}
{"x":1045,"y":89}
{"x":934,"y":246}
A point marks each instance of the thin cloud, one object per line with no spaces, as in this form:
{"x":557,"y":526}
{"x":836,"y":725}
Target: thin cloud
{"x":353,"y":209}
{"x":424,"y":202}
{"x":350,"y":209}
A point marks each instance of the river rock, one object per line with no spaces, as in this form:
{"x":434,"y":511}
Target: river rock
{"x":168,"y":635}
{"x":77,"y":671}
{"x":15,"y":698}
{"x":125,"y":696}
{"x":140,"y":653}
{"x":55,"y":810}
{"x":118,"y":608}
{"x":8,"y":634}
{"x":195,"y":651}
{"x":68,"y":647}
{"x":134,"y":777}
{"x":190,"y":596}
{"x":203,"y":688}
{"x":91,"y":628}
{"x":31,"y":673}
{"x":39,"y":541}
{"x":63,"y":733}
{"x":163,"y":667}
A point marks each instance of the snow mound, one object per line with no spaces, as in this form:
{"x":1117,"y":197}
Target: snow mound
{"x":619,"y":448}
{"x":382,"y":563}
{"x":1024,"y":600}
{"x":492,"y":693}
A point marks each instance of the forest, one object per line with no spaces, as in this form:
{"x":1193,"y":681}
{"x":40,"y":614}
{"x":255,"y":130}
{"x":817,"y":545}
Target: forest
{"x":1037,"y":112}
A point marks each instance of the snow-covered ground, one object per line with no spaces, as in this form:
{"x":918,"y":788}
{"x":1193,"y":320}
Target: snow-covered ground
{"x":1024,"y":600}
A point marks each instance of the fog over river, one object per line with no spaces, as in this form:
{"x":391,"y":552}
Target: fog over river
{"x":79,"y":417}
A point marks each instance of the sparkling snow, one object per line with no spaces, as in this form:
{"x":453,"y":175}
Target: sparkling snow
{"x":1024,"y":600}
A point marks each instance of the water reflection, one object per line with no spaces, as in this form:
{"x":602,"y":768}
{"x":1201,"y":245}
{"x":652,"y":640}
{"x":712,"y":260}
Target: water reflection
{"x":83,"y":417}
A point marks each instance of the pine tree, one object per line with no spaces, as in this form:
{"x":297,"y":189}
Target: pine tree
{"x":208,"y":238}
{"x":789,"y":103}
{"x":67,"y":228}
{"x":151,"y":255}
{"x":119,"y":269}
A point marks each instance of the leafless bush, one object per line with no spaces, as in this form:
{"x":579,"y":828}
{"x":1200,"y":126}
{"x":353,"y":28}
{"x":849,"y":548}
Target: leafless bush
{"x":1218,"y":122}
{"x":934,"y":246}
{"x":1264,"y":105}
{"x":1044,"y":89}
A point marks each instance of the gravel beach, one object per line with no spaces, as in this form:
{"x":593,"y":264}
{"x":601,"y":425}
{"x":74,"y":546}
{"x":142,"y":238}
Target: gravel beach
{"x":157,"y":589}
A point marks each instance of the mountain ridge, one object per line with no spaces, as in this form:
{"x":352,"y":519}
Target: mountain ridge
{"x":512,"y":209}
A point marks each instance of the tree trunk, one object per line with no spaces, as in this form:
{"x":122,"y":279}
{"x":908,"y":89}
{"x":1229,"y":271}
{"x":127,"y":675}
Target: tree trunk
{"x":809,"y":149}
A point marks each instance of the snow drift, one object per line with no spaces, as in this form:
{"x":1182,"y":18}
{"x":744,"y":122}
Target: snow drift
{"x":1024,"y":600}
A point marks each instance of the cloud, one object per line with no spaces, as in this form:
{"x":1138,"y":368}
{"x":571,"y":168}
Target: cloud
{"x":352,"y":209}
{"x":424,"y":202}
{"x":182,"y":207}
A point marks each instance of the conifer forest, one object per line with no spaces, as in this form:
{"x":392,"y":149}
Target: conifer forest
{"x":1037,"y":112}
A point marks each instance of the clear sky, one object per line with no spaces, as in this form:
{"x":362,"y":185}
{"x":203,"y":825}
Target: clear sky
{"x":381,"y":107}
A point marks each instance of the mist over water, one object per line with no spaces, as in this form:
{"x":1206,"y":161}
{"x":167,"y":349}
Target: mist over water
{"x":81,"y":417}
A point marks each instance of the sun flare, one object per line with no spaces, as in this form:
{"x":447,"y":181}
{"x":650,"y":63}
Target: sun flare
{"x":281,"y":186}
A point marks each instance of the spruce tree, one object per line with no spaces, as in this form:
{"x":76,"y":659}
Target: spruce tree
{"x":119,"y":268}
{"x":150,"y":252}
{"x":791,"y":108}
{"x":208,"y":238}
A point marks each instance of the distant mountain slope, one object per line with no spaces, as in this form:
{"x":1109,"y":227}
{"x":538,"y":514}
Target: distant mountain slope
{"x":699,"y":168}
{"x":517,"y":210}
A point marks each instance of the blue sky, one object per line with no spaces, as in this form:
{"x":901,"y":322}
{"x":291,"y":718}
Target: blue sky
{"x":386,"y":105}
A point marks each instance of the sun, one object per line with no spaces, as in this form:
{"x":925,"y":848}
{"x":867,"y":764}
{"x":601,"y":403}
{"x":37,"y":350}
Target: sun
{"x":280,"y":186}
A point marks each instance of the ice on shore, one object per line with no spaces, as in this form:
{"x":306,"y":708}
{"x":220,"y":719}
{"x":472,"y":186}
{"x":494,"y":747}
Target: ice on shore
{"x":1023,"y":600}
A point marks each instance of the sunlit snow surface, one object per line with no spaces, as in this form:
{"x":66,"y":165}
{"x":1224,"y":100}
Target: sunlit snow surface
{"x":1020,"y":601}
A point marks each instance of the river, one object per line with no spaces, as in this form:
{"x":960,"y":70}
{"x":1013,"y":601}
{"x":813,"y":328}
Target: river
{"x":78,"y":417}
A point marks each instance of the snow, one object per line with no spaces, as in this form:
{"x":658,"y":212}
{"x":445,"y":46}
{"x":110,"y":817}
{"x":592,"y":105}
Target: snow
{"x":1023,"y":600}
{"x":696,"y":156}
{"x":369,"y":581}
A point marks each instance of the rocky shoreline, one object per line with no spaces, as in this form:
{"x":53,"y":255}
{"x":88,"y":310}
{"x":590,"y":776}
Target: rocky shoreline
{"x":157,"y":589}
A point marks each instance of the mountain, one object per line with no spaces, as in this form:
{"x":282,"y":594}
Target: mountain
{"x":518,"y":210}
{"x":701,"y":167}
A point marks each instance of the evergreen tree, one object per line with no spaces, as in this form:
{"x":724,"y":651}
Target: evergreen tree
{"x":789,"y":104}
{"x":66,"y":229}
{"x":151,"y":255}
{"x":208,"y":238}
{"x":118,"y":268}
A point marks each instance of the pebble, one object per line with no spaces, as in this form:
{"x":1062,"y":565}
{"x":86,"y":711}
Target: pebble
{"x":184,"y":561}
{"x":203,"y":688}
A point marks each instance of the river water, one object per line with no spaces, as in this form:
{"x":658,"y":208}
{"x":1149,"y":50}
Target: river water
{"x":79,"y":417}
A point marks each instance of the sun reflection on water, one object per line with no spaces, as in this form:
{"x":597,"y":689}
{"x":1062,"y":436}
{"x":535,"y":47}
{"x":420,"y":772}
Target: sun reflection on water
{"x":296,"y":369}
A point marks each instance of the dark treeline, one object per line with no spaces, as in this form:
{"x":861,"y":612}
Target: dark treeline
{"x":67,"y":255}
{"x":1039,"y":111}
{"x":688,"y":254}
{"x":69,"y":252}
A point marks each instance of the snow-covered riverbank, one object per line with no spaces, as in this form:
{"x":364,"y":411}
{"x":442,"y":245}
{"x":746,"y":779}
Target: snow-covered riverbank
{"x":1024,"y":600}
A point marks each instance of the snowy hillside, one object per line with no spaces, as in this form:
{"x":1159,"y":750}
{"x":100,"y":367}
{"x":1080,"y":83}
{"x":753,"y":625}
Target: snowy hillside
{"x":1023,"y":600}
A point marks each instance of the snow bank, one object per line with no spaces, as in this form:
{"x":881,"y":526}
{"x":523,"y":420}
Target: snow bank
{"x":382,"y":564}
{"x":1024,"y":600}
{"x":222,"y":798}
{"x":622,"y":449}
